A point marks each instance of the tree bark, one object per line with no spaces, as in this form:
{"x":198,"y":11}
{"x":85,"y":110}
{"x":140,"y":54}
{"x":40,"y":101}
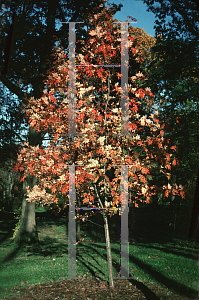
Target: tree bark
{"x":27,"y":232}
{"x":194,"y":223}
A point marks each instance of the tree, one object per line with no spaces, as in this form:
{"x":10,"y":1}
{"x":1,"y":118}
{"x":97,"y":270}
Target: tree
{"x":142,"y":42}
{"x":98,"y":146}
{"x":11,"y":127}
{"x":174,"y":72}
{"x":25,"y":55}
{"x":184,"y":17}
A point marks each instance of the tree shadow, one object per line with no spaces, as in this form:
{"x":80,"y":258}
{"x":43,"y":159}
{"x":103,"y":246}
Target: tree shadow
{"x":167,"y":248}
{"x":13,"y":253}
{"x":4,"y":237}
{"x":87,"y":266}
{"x":179,"y":288}
{"x":48,"y":246}
{"x":6,"y":229}
{"x":52,"y":246}
{"x":150,"y":295}
{"x":171,"y":249}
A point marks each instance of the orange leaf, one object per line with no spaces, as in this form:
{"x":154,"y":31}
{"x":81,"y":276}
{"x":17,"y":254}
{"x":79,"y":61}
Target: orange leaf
{"x":173,"y":147}
{"x":162,"y":132}
{"x":145,"y":171}
{"x":53,"y":189}
{"x":22,"y":178}
{"x":166,"y":193}
{"x":15,"y":169}
{"x":21,"y":168}
{"x":55,"y":199}
{"x":182,"y":193}
{"x":64,"y":189}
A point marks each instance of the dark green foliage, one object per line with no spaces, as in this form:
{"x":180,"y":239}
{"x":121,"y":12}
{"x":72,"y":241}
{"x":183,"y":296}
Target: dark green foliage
{"x":173,"y":75}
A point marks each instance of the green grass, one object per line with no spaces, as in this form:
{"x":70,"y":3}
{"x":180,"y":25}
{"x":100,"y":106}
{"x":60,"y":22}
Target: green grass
{"x":168,"y":262}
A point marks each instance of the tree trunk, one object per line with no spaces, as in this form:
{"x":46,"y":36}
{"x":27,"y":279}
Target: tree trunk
{"x":172,"y":198}
{"x":131,"y":220}
{"x":108,"y":243}
{"x":78,"y":223}
{"x":194,"y":223}
{"x":27,"y":232}
{"x":108,"y":249}
{"x":78,"y":228}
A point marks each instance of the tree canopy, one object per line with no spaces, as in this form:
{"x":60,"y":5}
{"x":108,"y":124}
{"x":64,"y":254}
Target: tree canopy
{"x":98,"y":145}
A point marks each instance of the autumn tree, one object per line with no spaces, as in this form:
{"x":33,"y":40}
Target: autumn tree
{"x":98,"y":144}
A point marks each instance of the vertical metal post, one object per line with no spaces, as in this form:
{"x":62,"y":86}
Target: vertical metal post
{"x":124,"y":80}
{"x":124,"y":244}
{"x":72,"y":225}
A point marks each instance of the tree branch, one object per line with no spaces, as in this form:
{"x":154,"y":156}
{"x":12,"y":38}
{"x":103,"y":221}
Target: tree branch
{"x":13,"y":88}
{"x":17,"y":134}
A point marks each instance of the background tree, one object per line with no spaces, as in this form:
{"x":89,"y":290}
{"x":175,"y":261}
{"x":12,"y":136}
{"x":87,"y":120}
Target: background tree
{"x":25,"y":54}
{"x":11,"y":129}
{"x":174,"y":77}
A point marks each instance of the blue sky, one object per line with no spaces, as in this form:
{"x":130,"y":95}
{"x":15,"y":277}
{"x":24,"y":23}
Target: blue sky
{"x":137,"y":9}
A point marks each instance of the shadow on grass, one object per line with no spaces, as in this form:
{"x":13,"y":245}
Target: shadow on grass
{"x":172,"y":248}
{"x":150,"y":295}
{"x":45,"y":247}
{"x":52,"y":246}
{"x":168,"y":248}
{"x":48,"y":246}
{"x":87,"y":266}
{"x":179,"y":288}
{"x":6,"y":229}
{"x":13,"y":253}
{"x":4,"y":237}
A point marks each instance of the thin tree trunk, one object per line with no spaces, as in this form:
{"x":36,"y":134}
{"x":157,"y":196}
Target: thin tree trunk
{"x":108,"y":243}
{"x":78,"y":223}
{"x":106,"y":228}
{"x":194,"y":223}
{"x":172,"y":199}
{"x":78,"y":228}
{"x":108,"y":249}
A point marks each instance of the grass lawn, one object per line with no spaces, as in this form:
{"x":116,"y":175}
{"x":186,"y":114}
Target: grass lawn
{"x":168,"y":262}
